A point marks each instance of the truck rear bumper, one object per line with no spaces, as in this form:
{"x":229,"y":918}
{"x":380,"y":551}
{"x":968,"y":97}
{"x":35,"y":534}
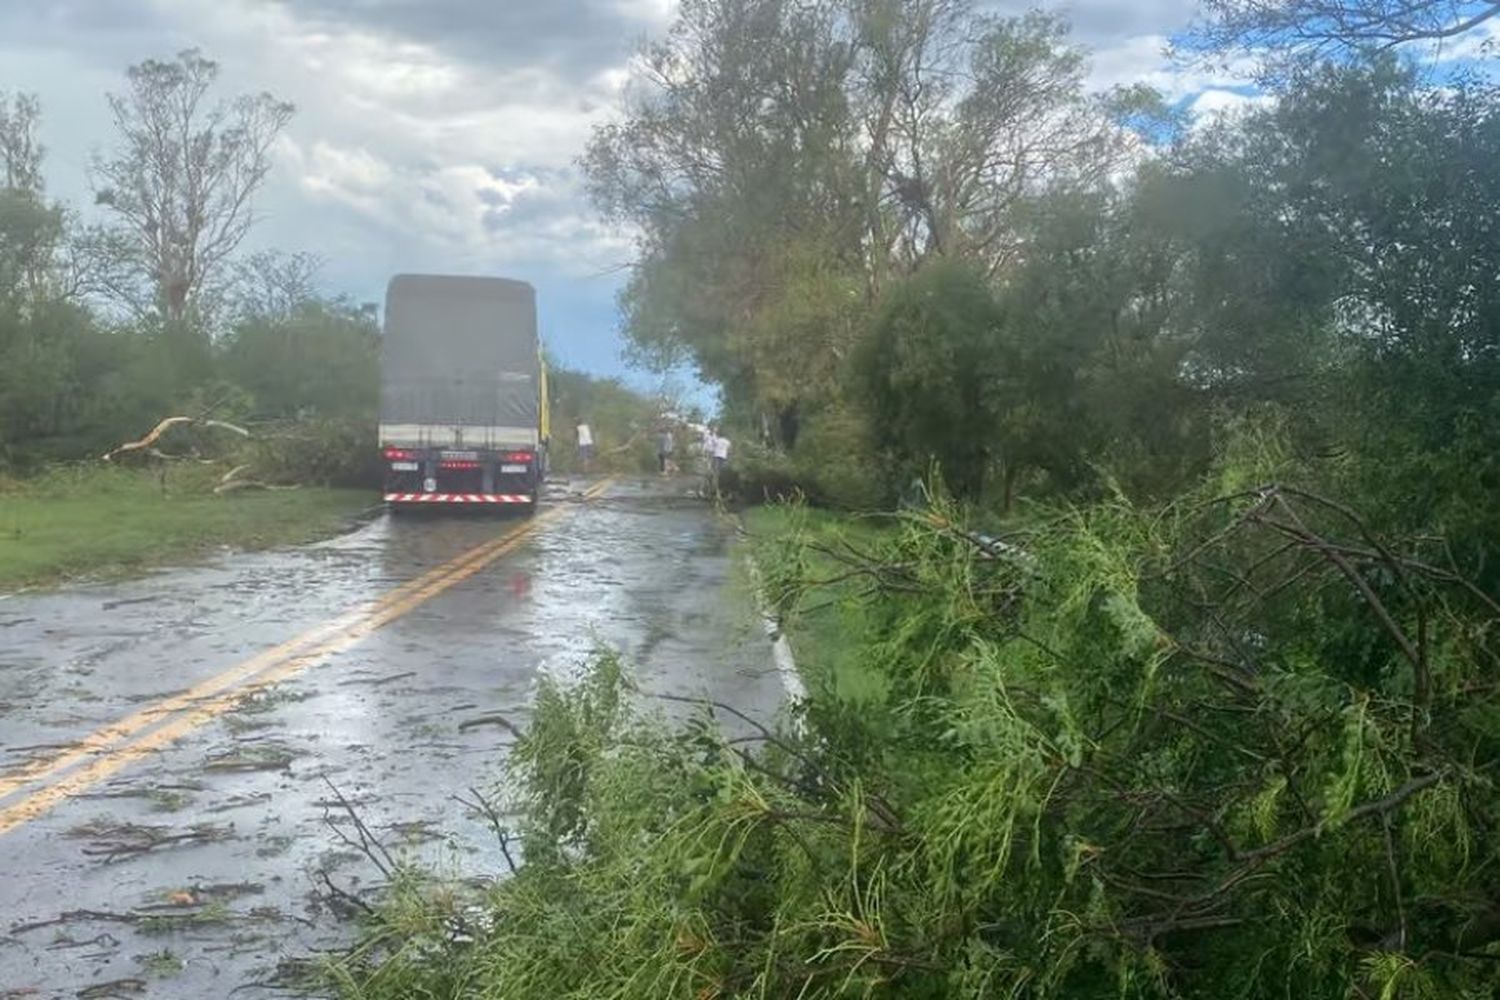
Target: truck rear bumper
{"x":505,"y":498}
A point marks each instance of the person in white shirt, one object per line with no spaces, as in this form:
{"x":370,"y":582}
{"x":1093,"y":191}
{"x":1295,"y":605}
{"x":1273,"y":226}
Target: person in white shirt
{"x":585,"y":445}
{"x":720,"y":452}
{"x":664,"y":447}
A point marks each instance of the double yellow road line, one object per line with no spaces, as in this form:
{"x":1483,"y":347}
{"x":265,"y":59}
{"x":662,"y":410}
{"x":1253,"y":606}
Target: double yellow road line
{"x":45,"y":783}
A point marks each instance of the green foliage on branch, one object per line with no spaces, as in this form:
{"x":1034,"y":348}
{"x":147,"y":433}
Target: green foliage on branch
{"x":934,"y":369}
{"x":1236,"y":745}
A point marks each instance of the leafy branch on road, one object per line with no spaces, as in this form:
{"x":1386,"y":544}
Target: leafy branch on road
{"x":1237,"y":741}
{"x":111,"y":842}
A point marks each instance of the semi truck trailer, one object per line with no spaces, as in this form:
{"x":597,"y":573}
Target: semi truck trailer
{"x":463,"y":395}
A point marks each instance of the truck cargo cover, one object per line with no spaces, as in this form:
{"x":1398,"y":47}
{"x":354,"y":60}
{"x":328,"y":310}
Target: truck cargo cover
{"x":460,"y":352}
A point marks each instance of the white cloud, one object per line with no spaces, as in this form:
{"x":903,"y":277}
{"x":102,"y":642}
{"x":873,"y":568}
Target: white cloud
{"x":1218,"y":105}
{"x":1483,"y":41}
{"x":443,"y":158}
{"x":1144,"y":59}
{"x":651,"y":14}
{"x":459,"y":211}
{"x":353,"y":175}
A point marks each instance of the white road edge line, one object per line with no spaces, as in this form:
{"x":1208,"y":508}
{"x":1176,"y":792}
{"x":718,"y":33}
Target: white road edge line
{"x":781,"y":652}
{"x":781,"y":649}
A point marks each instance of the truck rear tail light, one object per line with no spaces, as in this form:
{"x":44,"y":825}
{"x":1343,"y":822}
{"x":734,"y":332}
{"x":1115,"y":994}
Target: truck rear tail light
{"x":399,"y":455}
{"x":518,"y":456}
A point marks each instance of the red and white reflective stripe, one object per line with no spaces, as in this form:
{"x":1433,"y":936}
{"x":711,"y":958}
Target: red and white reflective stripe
{"x":457,"y":498}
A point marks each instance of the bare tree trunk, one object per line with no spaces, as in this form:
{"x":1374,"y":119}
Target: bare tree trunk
{"x":182,"y":178}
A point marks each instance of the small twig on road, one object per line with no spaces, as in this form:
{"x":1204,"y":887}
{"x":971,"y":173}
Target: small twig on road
{"x":113,"y":988}
{"x":111,"y":605}
{"x":129,"y":840}
{"x":368,"y":845}
{"x":487,"y":809}
{"x":103,"y":939}
{"x":343,"y":896}
{"x":36,"y":747}
{"x":493,"y":719}
{"x":78,"y":916}
{"x":377,"y":681}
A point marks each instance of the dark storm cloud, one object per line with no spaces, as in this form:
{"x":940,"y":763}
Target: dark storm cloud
{"x":570,"y":37}
{"x":55,"y":20}
{"x":102,"y":32}
{"x":1105,"y":22}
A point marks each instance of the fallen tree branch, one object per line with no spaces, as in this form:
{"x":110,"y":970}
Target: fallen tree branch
{"x":146,"y":443}
{"x":487,"y":809}
{"x":343,"y":896}
{"x":79,"y":916}
{"x":368,"y":844}
{"x":1377,"y":807}
{"x":230,"y":483}
{"x":248,"y":484}
{"x":492,"y":719}
{"x":628,"y":444}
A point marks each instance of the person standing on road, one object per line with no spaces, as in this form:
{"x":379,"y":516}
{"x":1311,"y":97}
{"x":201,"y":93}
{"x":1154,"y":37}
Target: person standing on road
{"x":664,"y":446}
{"x":585,"y":446}
{"x":720,"y":452}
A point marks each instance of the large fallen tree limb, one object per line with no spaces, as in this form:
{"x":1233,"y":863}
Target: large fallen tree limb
{"x":145,"y":444}
{"x":231,"y":483}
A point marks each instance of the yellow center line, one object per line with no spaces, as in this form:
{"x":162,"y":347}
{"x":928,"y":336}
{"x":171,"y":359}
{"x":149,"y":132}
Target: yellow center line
{"x":106,"y":736}
{"x":189,"y":710}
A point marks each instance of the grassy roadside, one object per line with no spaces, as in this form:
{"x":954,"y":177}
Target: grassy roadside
{"x":819,"y":632}
{"x":105,"y":522}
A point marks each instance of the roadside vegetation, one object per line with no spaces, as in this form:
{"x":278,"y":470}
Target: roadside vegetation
{"x":1147,"y":613}
{"x":623,"y":422}
{"x":150,"y":310}
{"x":103,"y":522}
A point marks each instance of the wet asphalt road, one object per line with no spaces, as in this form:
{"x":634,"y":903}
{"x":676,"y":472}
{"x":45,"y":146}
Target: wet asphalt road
{"x":197,"y":866}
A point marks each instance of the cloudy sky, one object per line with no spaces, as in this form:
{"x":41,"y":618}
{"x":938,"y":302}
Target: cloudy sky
{"x":438,"y":135}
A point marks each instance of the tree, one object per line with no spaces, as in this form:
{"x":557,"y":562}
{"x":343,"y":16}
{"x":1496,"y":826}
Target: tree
{"x":20,"y":150}
{"x":777,"y":156}
{"x":988,"y":112}
{"x":181,"y":181}
{"x":274,"y":286}
{"x":935,"y":376}
{"x":1096,"y":363}
{"x":1331,"y":27}
{"x":30,"y":229}
{"x":321,"y":357}
{"x":735,"y":151}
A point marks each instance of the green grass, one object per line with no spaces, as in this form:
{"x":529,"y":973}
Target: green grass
{"x":823,"y":630}
{"x":104,"y":522}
